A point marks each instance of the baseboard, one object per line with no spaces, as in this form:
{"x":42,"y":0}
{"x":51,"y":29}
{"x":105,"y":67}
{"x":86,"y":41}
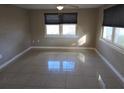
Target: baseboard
{"x":111,"y":66}
{"x":14,"y":58}
{"x":46,"y":47}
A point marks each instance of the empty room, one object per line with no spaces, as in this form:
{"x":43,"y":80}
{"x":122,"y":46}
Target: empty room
{"x":61,"y":46}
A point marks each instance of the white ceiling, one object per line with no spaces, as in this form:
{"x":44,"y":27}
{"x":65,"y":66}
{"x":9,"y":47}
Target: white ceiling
{"x":53,"y":6}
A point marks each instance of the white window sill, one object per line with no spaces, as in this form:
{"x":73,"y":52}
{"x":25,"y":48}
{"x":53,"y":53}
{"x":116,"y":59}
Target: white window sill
{"x":62,"y":36}
{"x":112,"y":45}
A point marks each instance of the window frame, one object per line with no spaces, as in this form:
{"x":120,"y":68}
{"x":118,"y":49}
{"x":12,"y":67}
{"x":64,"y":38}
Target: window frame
{"x":112,"y":42}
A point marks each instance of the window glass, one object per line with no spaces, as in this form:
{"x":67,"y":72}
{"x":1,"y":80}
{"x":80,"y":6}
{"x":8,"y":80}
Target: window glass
{"x":52,"y":29}
{"x":69,"y":29}
{"x":107,"y":33}
{"x":119,"y":36}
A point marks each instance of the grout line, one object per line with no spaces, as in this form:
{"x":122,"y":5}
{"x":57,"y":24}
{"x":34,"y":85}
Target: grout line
{"x":111,"y":66}
{"x":14,"y":58}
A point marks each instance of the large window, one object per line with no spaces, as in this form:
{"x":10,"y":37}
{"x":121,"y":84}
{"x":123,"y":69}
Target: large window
{"x":63,"y":24}
{"x":114,"y":34}
{"x":61,"y":30}
{"x":113,"y":23}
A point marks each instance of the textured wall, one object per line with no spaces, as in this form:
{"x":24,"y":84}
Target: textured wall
{"x":14,"y":31}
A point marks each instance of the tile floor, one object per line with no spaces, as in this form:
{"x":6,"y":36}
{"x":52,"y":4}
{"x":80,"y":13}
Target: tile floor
{"x":58,"y":69}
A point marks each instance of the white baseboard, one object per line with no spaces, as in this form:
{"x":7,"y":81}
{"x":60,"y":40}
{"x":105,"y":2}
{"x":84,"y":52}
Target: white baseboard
{"x":111,"y":66}
{"x":46,"y":47}
{"x":14,"y":58}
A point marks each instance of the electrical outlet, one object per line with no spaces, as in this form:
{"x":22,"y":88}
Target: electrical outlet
{"x":1,"y":56}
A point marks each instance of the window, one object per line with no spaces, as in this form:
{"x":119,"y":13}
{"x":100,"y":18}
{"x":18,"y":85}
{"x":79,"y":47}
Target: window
{"x":107,"y":33}
{"x":113,"y":23}
{"x":63,"y":24}
{"x":61,"y":30}
{"x":119,"y":36}
{"x":52,"y":29}
{"x":115,"y":35}
{"x":69,"y":29}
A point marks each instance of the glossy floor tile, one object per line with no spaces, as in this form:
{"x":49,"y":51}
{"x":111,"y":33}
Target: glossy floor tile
{"x":58,"y":69}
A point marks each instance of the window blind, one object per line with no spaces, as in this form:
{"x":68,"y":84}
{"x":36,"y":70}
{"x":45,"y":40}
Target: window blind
{"x":63,"y":18}
{"x":114,"y":16}
{"x":52,"y":18}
